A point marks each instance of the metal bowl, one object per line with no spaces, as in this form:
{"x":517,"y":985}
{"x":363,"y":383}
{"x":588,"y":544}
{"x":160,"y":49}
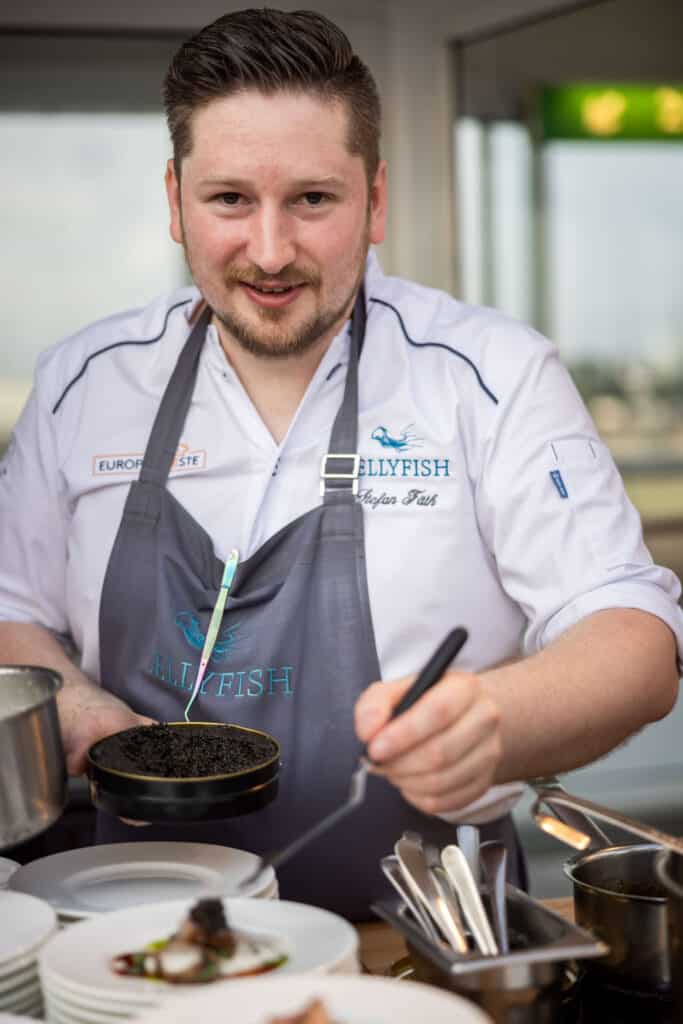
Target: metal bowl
{"x":669,"y":868}
{"x":154,"y":798}
{"x":618,"y":896}
{"x":32,"y":764}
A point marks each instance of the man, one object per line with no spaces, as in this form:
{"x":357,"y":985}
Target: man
{"x":462,"y":482}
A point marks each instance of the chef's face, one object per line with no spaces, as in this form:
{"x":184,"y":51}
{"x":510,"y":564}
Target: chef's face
{"x":276,"y":216}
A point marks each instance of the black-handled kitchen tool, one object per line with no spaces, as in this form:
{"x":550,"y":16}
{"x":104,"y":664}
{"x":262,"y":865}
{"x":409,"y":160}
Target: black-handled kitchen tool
{"x":430,"y":674}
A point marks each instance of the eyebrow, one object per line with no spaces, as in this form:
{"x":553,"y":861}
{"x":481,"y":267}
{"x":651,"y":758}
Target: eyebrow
{"x":303,"y":185}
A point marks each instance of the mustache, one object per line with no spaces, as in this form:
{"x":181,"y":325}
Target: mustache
{"x":285,"y":279}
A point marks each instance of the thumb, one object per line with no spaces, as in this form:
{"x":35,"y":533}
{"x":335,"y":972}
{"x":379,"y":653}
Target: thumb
{"x":144,"y":720}
{"x":375,"y":705}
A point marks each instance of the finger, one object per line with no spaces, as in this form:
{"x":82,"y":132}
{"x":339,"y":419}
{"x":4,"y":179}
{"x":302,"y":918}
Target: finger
{"x":448,"y":803}
{"x":436,"y":710}
{"x":453,"y":744}
{"x":374,"y":706}
{"x":479,"y":764}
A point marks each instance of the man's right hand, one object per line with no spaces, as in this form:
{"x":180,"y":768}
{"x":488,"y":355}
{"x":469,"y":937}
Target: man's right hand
{"x":87,"y":713}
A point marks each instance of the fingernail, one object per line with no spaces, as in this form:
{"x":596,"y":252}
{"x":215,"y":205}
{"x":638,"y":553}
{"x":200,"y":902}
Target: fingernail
{"x":378,"y":750}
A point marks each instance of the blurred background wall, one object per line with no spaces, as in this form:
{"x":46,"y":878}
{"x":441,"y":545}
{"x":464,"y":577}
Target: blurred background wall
{"x":578,"y":231}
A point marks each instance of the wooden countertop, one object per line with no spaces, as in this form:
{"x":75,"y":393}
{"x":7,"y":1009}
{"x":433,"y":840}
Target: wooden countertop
{"x":381,"y":946}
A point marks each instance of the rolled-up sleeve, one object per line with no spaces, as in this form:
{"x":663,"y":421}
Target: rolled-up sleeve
{"x":553,"y":510}
{"x":33,"y":523}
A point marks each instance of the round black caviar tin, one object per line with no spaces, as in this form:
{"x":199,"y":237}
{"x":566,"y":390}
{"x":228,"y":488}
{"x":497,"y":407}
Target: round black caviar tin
{"x":158,"y":798}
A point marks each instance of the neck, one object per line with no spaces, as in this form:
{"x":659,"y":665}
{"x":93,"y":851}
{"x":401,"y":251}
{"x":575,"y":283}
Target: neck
{"x":275,"y":385}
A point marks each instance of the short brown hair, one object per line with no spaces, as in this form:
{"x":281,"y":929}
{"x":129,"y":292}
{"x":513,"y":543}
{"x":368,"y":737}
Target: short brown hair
{"x":272,"y":51}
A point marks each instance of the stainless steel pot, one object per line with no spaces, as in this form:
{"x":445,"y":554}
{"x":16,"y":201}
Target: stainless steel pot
{"x":669,"y":868}
{"x":619,"y":898}
{"x":32,"y":764}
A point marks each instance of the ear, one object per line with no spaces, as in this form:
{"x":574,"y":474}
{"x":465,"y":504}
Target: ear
{"x":173,"y":195}
{"x":378,"y":205}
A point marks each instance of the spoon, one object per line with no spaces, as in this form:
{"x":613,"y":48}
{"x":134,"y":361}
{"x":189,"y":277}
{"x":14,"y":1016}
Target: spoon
{"x":430,"y":674}
{"x":392,"y":869}
{"x":493,"y":857}
{"x":460,"y":876}
{"x":427,"y":889}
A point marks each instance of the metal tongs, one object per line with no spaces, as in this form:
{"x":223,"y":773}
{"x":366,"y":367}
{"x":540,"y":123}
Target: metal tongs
{"x":430,"y":674}
{"x":582,"y":831}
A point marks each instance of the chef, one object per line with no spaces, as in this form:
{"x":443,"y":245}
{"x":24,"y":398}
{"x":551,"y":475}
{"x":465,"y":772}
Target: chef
{"x":387,"y":461}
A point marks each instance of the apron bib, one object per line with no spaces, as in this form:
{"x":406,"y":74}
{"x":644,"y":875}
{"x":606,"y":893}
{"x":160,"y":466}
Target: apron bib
{"x":295,"y":649}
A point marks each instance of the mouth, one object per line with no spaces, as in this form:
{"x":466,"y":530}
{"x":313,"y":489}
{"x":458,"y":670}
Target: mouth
{"x":272,"y":296}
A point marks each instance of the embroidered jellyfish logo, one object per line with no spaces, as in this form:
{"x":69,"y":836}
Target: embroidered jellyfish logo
{"x":226,"y":642}
{"x":403,"y":443}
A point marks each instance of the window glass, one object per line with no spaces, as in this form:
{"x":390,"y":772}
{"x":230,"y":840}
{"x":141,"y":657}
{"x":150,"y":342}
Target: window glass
{"x":614,"y":270}
{"x":585,"y":241}
{"x":84,"y":225}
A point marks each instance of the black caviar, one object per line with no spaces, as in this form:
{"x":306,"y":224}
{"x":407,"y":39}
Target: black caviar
{"x":185,"y":751}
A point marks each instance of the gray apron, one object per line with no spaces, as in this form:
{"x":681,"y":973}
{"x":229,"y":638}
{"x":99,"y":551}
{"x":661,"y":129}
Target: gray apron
{"x":295,"y":651}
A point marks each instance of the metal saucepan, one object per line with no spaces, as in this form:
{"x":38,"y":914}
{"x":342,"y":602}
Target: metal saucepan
{"x":619,"y":895}
{"x":669,"y":868}
{"x":155,"y":798}
{"x":32,"y":764}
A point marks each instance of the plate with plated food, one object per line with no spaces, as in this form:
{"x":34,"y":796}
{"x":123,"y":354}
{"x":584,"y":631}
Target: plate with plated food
{"x":133,"y":957}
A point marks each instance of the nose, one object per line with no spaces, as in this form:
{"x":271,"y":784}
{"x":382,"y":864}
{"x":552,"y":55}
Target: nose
{"x":271,"y":245}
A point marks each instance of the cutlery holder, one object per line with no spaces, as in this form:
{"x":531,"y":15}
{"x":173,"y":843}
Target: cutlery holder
{"x":526,"y":986}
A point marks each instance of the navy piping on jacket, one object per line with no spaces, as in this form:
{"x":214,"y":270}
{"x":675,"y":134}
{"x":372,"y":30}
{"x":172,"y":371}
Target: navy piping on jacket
{"x":437,"y":344}
{"x":116,"y":344}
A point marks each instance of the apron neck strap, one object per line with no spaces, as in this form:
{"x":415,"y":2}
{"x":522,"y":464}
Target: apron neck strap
{"x":339,"y":470}
{"x":169,"y":421}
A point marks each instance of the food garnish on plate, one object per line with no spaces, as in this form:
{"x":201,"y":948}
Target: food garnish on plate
{"x":205,"y":948}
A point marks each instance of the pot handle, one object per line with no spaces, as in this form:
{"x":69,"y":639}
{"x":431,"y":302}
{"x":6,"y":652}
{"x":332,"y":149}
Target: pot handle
{"x":558,"y":798}
{"x":573,"y":816}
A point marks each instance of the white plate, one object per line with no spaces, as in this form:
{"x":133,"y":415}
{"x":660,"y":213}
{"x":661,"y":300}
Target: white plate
{"x":362,"y":1000}
{"x":79,"y":957}
{"x":26,"y":923}
{"x":80,"y":999}
{"x":95,"y":879}
{"x":56,"y":1016}
{"x":80,"y":1003}
{"x":26,"y":975}
{"x":271,"y":892}
{"x":9,"y":1000}
{"x":7,"y":868}
{"x":12,"y":1018}
{"x":28,"y":1003}
{"x":64,"y":1008}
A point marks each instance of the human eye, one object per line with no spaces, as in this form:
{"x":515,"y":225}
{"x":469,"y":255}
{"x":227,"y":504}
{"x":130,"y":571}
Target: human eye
{"x":229,"y":198}
{"x":314,"y":200}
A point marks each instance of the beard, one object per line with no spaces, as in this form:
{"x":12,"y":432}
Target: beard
{"x":260,"y":335}
{"x":292,"y":341}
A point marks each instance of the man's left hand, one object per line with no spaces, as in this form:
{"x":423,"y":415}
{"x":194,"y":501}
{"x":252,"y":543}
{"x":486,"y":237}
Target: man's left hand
{"x":444,"y":751}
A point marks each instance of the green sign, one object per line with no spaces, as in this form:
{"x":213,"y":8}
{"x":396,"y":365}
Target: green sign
{"x":613,"y":112}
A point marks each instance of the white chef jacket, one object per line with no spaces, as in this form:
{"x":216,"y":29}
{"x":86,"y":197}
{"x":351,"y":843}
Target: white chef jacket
{"x":489,"y":500}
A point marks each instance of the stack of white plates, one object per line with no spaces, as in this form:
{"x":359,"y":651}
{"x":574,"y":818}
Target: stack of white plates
{"x":80,"y":986}
{"x":26,"y":924}
{"x":95,"y":879}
